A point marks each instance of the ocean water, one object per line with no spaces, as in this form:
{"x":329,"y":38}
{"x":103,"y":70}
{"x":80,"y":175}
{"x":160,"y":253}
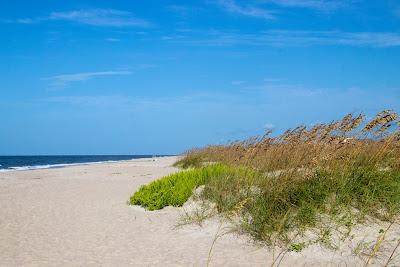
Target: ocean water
{"x":21,"y":163}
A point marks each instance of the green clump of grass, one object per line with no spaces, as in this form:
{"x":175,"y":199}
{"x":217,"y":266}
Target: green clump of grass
{"x":271,"y":209}
{"x":175,"y":189}
{"x":297,"y":247}
{"x":190,"y":160}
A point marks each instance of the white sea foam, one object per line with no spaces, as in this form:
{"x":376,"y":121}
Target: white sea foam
{"x":51,"y":166}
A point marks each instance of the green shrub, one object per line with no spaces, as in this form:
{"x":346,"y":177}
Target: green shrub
{"x":175,"y":189}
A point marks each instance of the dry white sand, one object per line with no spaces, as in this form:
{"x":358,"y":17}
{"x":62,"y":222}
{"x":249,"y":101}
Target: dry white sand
{"x":78,"y":216}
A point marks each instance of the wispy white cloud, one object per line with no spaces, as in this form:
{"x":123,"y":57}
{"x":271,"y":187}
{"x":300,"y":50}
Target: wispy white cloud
{"x":27,"y":20}
{"x":86,"y":100}
{"x":64,"y":79}
{"x":124,"y":101}
{"x":100,"y":17}
{"x":183,"y":10}
{"x":322,"y":5}
{"x":248,"y":10}
{"x":171,"y":37}
{"x":94,"y":17}
{"x":289,"y":38}
{"x":112,"y":40}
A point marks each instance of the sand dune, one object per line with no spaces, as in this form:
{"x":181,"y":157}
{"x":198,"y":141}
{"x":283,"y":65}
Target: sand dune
{"x":78,"y":216}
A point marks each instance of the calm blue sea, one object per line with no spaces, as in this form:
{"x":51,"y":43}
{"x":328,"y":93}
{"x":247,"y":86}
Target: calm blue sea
{"x":8,"y":163}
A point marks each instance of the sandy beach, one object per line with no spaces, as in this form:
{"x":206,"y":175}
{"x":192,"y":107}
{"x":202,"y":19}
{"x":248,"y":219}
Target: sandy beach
{"x":78,"y":216}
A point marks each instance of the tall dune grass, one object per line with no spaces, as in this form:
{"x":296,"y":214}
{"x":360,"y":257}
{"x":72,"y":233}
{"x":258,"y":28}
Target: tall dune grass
{"x":342,"y":172}
{"x":347,"y":143}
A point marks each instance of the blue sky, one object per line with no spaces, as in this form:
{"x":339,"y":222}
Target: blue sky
{"x":159,"y":77}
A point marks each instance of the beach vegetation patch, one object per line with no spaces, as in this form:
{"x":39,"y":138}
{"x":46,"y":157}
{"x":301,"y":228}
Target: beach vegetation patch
{"x":175,"y":189}
{"x":192,"y":159}
{"x":339,"y":173}
{"x":323,"y":180}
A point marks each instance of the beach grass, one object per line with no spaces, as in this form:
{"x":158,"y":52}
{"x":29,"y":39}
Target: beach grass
{"x":309,"y":178}
{"x":175,"y":189}
{"x":191,"y":160}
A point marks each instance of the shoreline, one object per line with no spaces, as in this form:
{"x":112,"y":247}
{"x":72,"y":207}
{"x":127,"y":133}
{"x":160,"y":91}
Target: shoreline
{"x":64,"y":165}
